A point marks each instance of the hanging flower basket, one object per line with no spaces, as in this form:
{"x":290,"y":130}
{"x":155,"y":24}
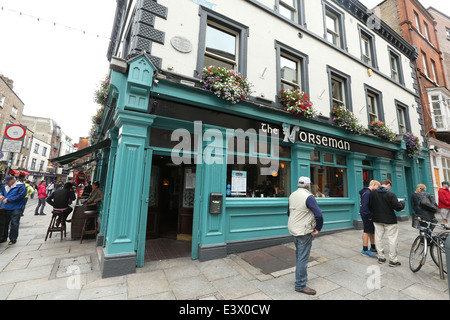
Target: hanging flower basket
{"x":101,"y":94}
{"x":346,"y":119}
{"x":226,"y":84}
{"x":412,"y":144}
{"x":382,"y":131}
{"x":297,"y":103}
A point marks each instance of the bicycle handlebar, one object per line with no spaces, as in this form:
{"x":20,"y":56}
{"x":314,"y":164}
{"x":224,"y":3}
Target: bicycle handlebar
{"x":429,"y":223}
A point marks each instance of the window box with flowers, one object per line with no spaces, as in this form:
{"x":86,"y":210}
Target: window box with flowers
{"x":346,"y":119}
{"x":226,"y":84}
{"x":412,"y":144}
{"x":381,"y":130}
{"x":297,"y":103}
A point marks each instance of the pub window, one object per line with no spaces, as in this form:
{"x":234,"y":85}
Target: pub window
{"x":292,"y":68}
{"x":255,"y":174}
{"x":446,"y":168}
{"x":288,"y":9}
{"x":403,"y":118}
{"x":368,"y":53}
{"x":221,"y":47}
{"x":33,"y":164}
{"x":329,"y":179}
{"x":396,"y":69}
{"x":223,"y":42}
{"x":438,"y":117}
{"x":340,"y":91}
{"x":334,"y":26}
{"x":374,"y":101}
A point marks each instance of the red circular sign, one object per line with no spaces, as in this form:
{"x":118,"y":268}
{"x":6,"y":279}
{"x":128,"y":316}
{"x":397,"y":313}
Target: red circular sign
{"x":15,"y":132}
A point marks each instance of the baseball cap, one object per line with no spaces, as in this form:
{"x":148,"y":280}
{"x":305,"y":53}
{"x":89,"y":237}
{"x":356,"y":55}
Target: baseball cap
{"x":304,"y":180}
{"x":445,"y":182}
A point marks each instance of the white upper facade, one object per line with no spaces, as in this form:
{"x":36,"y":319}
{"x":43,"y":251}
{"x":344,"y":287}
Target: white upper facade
{"x":318,"y":46}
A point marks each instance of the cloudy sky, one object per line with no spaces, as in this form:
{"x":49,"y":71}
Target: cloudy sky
{"x":56,"y":68}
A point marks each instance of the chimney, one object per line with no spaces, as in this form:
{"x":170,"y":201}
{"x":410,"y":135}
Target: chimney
{"x":8,"y":81}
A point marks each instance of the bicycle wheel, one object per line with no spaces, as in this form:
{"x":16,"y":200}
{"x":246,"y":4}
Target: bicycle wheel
{"x":418,"y":254}
{"x":434,"y":251}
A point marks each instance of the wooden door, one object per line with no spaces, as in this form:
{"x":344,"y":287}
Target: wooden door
{"x":186,"y":205}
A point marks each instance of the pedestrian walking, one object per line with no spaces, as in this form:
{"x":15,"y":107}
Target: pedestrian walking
{"x":444,"y":203}
{"x":30,"y":191}
{"x":305,"y":222}
{"x":42,"y":195}
{"x":12,"y":198}
{"x":419,"y":211}
{"x":383,"y":203}
{"x":367,"y":219}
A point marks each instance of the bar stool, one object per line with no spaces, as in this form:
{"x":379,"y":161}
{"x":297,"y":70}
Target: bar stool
{"x":88,"y":215}
{"x":53,"y":227}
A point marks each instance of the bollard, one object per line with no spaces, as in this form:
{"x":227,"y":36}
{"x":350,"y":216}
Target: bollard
{"x":447,"y":256}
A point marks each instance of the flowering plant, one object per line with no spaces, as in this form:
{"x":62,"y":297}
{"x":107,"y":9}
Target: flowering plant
{"x":412,"y":144}
{"x":297,"y":103}
{"x":226,"y":84}
{"x":97,"y":119}
{"x":344,"y":118}
{"x":381,"y":130}
{"x":101,"y":94}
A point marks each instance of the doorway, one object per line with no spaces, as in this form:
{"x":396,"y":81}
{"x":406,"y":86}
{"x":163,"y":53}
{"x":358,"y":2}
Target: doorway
{"x":170,"y":209}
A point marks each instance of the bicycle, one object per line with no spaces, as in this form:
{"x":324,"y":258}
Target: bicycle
{"x":427,"y":238}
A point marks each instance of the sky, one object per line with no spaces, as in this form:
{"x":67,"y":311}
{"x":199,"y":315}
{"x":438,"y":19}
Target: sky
{"x":57,"y":68}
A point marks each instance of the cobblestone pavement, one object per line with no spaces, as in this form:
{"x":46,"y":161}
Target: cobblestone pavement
{"x":33,"y":269}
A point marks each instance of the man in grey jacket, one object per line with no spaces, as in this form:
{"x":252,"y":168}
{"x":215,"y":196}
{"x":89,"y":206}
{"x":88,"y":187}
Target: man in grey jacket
{"x":305,"y":222}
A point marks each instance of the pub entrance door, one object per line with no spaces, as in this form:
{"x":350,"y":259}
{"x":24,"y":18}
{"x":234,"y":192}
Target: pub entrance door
{"x":171,"y":200}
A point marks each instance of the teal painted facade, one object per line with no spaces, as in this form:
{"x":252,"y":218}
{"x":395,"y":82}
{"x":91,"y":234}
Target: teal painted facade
{"x":127,"y":169}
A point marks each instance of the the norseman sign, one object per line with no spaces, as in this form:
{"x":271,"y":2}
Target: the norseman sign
{"x":296,"y":134}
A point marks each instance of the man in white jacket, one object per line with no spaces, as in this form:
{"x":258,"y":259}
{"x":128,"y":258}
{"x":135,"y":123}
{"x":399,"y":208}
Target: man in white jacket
{"x":305,"y":222}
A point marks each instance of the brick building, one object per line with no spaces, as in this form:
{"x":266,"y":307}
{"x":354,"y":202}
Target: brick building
{"x":443,"y":35}
{"x":11,"y":110}
{"x":418,"y":26}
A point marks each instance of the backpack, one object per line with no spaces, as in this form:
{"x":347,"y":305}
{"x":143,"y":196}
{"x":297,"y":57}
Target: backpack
{"x":426,"y":204}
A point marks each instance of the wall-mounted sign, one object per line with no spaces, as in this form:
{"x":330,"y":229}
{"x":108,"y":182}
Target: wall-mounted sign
{"x":296,"y":134}
{"x":181,"y":44}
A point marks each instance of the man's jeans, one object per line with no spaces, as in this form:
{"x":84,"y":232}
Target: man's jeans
{"x":303,"y":246}
{"x":12,"y":217}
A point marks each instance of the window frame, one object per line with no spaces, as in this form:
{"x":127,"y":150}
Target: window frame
{"x":417,"y":18}
{"x":378,"y":95}
{"x":394,"y":54}
{"x":425,"y":65}
{"x":303,"y":62}
{"x":434,"y":71}
{"x":207,"y":15}
{"x":345,"y":79}
{"x":399,"y":105}
{"x":372,"y":47}
{"x":340,"y":17}
{"x":299,"y":14}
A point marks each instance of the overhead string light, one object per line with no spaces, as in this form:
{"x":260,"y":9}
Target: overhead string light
{"x":55,"y":24}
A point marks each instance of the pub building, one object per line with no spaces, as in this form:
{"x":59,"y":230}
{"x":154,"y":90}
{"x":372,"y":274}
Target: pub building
{"x":176,"y":161}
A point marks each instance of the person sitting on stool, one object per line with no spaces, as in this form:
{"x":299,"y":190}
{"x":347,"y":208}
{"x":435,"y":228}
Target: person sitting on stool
{"x":61,"y":200}
{"x":95,"y":197}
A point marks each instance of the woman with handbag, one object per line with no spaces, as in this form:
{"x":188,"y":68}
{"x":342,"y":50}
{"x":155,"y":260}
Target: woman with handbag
{"x":423,"y":204}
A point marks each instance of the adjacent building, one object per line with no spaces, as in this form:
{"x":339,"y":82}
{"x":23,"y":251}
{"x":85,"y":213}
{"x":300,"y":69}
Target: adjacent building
{"x":419,"y":27}
{"x":177,"y":161}
{"x":440,"y":154}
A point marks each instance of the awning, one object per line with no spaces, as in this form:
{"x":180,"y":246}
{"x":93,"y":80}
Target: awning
{"x":68,"y":158}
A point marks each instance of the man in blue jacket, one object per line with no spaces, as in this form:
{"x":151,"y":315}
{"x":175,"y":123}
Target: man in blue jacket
{"x":12,"y":198}
{"x":367,"y":217}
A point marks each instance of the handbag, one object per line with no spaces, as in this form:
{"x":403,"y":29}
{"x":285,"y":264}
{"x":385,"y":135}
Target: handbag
{"x":425,"y":203}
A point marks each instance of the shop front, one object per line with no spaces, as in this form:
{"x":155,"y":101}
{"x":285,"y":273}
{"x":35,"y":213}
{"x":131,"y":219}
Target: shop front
{"x":186,"y":165}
